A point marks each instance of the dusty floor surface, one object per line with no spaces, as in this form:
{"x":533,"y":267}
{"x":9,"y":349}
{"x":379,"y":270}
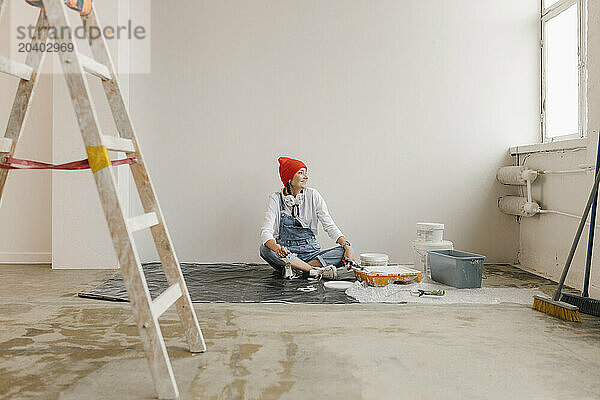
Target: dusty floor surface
{"x":54,"y":345}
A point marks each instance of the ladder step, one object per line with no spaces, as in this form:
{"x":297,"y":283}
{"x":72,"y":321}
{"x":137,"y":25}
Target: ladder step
{"x":94,"y":67}
{"x":115,"y":143}
{"x":5,"y":145}
{"x":142,"y":222}
{"x":14,"y":68}
{"x":166,"y":300}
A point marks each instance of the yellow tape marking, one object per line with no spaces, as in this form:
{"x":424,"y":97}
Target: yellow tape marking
{"x":97,"y":157}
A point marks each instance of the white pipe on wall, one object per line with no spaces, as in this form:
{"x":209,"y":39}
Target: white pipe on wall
{"x":522,"y":175}
{"x":582,"y":168}
{"x":565,"y":215}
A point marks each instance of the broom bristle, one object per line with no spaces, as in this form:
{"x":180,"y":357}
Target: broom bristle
{"x":586,"y":305}
{"x":564,"y":311}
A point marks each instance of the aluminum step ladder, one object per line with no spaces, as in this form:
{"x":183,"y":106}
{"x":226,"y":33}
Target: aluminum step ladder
{"x":75,"y":65}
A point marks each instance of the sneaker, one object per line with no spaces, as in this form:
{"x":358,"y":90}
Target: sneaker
{"x":328,"y":272}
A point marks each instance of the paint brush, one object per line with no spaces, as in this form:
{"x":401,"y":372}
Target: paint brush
{"x":349,"y":263}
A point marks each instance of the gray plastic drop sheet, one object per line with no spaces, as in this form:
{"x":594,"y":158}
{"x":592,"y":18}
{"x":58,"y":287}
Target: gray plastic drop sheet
{"x":257,"y":283}
{"x":229,"y":283}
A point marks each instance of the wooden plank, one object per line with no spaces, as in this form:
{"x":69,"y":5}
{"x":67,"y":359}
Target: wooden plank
{"x":14,"y":68}
{"x":162,"y":239}
{"x":166,"y":300}
{"x":6,"y":145}
{"x":94,"y":67}
{"x":143,"y":221}
{"x":556,"y":9}
{"x":3,"y":5}
{"x":131,"y":269}
{"x":111,"y":87}
{"x":559,"y":145}
{"x":582,"y":16}
{"x":25,"y":90}
{"x":118,"y":144}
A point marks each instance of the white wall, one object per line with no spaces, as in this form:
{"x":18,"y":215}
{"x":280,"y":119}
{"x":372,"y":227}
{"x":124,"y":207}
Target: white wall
{"x":545,"y":240}
{"x":81,"y":238}
{"x":402,"y":110}
{"x":54,"y":217}
{"x":26,"y":204}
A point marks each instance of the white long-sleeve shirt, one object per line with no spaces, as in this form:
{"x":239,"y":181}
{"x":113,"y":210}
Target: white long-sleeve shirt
{"x":312,"y":210}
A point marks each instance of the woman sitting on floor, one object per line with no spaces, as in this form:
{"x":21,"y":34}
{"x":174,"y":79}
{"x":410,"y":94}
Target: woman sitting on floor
{"x":290,"y":228}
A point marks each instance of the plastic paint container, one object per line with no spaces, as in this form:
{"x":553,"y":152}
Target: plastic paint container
{"x":372,"y":259}
{"x":456,"y":268}
{"x":430,"y":232}
{"x":339,"y":285}
{"x":420,"y":250}
{"x":380,"y":275}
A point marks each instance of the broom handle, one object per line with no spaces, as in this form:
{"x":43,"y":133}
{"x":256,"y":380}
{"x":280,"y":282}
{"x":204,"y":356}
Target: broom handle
{"x":593,"y":195}
{"x":588,"y":260}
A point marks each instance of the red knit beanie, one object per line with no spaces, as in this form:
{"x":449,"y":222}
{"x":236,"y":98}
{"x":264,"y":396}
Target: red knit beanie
{"x":288,"y":168}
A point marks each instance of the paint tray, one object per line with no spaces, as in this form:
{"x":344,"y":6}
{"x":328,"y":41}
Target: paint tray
{"x":384,"y":275}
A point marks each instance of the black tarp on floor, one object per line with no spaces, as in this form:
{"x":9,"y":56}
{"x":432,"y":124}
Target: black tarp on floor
{"x":228,"y":283}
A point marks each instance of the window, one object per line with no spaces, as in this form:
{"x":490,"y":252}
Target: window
{"x":563,"y":107}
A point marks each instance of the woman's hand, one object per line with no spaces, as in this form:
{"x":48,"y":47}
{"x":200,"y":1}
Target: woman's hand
{"x":282,"y":252}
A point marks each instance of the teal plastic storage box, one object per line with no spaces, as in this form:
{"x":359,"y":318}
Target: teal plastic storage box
{"x":456,"y":268}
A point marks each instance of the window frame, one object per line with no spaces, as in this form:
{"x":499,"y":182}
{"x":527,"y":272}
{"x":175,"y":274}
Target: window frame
{"x":547,"y":15}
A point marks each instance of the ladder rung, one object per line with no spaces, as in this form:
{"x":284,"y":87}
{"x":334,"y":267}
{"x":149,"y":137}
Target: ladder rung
{"x":94,"y":67}
{"x":14,"y":68}
{"x":115,"y":143}
{"x":5,"y":145}
{"x":166,"y":300}
{"x":142,"y":222}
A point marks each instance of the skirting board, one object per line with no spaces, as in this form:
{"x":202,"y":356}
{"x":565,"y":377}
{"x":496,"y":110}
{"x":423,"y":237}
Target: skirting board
{"x":592,"y":288}
{"x":95,"y":267}
{"x":25,"y":258}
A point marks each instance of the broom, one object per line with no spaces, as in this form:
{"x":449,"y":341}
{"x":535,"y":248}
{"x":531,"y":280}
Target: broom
{"x":553,"y":306}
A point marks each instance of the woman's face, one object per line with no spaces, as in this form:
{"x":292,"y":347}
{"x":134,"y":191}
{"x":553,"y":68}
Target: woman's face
{"x":300,"y":179}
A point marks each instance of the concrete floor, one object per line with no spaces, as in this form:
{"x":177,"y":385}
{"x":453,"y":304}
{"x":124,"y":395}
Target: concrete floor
{"x":56,"y":345}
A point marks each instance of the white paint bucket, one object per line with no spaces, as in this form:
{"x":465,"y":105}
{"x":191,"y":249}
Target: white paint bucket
{"x":373,"y":259}
{"x":420,"y":249}
{"x":430,"y":232}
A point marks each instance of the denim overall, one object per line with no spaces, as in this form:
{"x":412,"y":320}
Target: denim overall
{"x":300,"y":240}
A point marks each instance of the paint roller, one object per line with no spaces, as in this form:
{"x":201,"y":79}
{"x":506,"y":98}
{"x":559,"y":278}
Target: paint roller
{"x":516,"y":175}
{"x":521,"y":206}
{"x":514,"y":205}
{"x":526,"y":206}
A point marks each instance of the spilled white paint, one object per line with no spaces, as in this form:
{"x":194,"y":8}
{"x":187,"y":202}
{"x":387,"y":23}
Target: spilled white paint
{"x":406,"y":294}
